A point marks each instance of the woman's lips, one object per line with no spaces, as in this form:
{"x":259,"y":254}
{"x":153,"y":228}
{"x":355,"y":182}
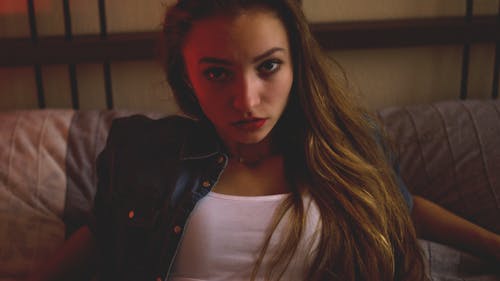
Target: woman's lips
{"x":250,"y":124}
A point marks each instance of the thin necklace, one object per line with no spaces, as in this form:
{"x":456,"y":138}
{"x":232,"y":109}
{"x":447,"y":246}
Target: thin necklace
{"x":250,"y":161}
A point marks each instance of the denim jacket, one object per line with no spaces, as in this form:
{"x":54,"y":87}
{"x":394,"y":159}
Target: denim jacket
{"x":151,"y":174}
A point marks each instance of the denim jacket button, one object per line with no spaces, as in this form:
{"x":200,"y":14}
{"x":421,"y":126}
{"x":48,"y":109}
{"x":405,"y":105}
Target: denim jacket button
{"x":177,"y":229}
{"x":206,"y":184}
{"x":131,"y":214}
{"x":220,"y":160}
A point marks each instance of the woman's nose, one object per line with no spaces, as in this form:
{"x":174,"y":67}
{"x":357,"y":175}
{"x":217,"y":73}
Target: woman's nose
{"x":246,"y":93}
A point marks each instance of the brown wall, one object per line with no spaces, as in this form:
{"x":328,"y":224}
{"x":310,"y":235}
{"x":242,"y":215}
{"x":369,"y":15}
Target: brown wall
{"x":386,"y":77}
{"x":383,"y":77}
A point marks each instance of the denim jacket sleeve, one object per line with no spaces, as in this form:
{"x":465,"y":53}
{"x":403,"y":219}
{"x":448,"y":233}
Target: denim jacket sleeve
{"x":136,"y":176}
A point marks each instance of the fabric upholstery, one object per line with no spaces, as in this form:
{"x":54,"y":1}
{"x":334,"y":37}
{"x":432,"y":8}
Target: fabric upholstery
{"x":450,"y":153}
{"x":32,"y":187}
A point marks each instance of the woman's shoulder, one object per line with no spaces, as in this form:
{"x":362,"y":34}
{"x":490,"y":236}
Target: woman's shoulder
{"x":143,"y":129}
{"x":144,"y":122}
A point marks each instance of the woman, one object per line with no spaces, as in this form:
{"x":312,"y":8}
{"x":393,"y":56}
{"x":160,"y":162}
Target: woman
{"x":278,"y":175}
{"x":323,"y":144}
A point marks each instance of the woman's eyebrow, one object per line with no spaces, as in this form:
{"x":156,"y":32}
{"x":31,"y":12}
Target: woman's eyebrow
{"x":213,"y":60}
{"x":268,"y":53}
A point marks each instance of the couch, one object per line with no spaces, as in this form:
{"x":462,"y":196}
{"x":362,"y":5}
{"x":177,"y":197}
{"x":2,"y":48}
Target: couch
{"x":449,"y":153}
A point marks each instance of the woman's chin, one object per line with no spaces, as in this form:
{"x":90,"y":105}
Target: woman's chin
{"x":241,"y":136}
{"x":255,"y":139}
{"x":248,"y":138}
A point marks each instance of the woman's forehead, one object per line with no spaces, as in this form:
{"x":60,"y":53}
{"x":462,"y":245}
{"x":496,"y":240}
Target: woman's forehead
{"x":246,"y":34}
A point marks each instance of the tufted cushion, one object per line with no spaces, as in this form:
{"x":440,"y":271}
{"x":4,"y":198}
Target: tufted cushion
{"x":32,"y":187}
{"x":450,"y":153}
{"x":47,"y":180}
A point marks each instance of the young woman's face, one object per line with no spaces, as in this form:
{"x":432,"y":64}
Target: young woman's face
{"x":241,"y":71}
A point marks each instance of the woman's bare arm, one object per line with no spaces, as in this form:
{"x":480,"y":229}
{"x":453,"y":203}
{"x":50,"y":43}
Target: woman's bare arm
{"x":75,"y":260}
{"x":435,"y":223}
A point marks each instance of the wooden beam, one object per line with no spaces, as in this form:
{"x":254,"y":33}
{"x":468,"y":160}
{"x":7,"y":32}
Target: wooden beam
{"x":82,"y":49}
{"x":337,"y":35}
{"x":405,"y":33}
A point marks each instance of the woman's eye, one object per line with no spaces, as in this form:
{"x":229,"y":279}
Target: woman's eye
{"x":216,"y":74}
{"x":269,"y":67}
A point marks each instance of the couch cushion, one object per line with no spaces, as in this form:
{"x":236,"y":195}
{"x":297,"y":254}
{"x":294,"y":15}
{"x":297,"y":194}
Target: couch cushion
{"x":47,"y":180}
{"x":445,"y":263}
{"x":450,"y":153}
{"x":32,"y":187}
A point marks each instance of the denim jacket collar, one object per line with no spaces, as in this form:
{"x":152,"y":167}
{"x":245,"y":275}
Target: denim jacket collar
{"x":201,"y":142}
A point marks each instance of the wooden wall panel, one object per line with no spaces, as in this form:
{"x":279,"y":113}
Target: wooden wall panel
{"x":141,"y":85}
{"x":17,"y":88}
{"x":481,"y":71}
{"x":341,"y":10}
{"x":49,"y":17}
{"x":91,"y":86}
{"x":388,"y":77}
{"x":57,"y":86}
{"x":489,"y":7}
{"x":133,"y":15}
{"x":84,"y":17}
{"x":383,"y":76}
{"x":13,"y":19}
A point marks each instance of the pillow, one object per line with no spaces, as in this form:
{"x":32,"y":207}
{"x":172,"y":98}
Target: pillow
{"x":445,"y":263}
{"x":32,"y":187}
{"x":450,"y":154}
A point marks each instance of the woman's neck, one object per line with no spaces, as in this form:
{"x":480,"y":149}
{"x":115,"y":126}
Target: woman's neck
{"x":251,"y":154}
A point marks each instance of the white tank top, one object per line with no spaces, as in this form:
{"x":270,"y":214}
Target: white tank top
{"x":225,"y":233}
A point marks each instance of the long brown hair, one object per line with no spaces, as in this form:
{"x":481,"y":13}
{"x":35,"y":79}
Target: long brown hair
{"x":333,"y":151}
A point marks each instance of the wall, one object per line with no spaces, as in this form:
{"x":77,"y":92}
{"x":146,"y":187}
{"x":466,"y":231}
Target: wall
{"x":383,"y":77}
{"x":135,"y":84}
